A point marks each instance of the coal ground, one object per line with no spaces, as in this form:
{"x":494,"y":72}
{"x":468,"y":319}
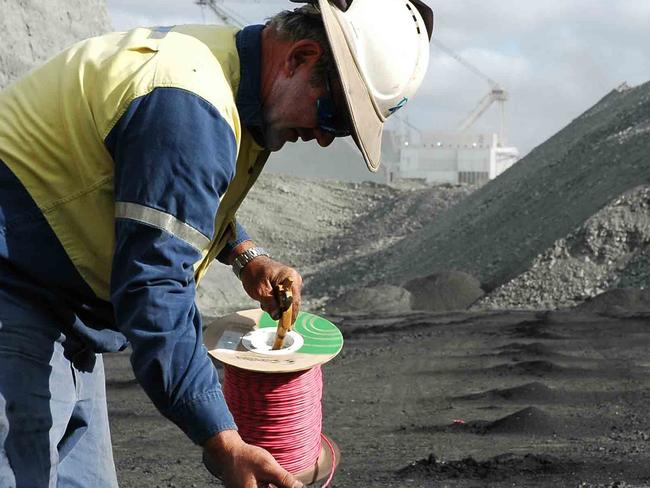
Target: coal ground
{"x":460,"y":399}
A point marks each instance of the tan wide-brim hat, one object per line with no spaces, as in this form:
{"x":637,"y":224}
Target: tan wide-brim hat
{"x":381,"y":52}
{"x":368,"y":124}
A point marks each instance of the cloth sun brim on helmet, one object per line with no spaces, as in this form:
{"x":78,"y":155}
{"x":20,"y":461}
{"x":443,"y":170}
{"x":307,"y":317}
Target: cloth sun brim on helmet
{"x":367,"y":125}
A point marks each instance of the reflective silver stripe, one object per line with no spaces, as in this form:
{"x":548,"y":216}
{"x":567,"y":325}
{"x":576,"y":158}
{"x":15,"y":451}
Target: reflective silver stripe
{"x":162,"y":220}
{"x":160,"y":31}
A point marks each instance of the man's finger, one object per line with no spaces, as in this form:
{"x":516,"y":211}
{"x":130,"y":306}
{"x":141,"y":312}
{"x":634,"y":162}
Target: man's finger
{"x":287,"y":480}
{"x":270,"y":306}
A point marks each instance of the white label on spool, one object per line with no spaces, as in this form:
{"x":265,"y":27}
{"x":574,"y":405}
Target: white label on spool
{"x":261,"y":341}
{"x":229,"y":340}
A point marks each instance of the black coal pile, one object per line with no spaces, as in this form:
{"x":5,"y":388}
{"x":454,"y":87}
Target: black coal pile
{"x":494,"y":469}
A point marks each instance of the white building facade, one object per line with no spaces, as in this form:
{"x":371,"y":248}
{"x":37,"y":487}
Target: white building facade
{"x":454,"y":158}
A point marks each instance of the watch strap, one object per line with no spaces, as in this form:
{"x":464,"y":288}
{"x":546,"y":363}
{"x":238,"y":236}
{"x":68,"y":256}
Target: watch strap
{"x":246,"y":257}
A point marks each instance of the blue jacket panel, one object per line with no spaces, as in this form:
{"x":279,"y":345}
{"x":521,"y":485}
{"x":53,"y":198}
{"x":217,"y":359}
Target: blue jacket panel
{"x":173,"y":153}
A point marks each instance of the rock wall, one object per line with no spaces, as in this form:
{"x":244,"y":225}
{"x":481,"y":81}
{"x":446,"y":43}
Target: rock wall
{"x":32,"y":31}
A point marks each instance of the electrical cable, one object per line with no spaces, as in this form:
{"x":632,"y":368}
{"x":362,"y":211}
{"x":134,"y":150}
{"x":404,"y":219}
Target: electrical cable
{"x":280,"y":412}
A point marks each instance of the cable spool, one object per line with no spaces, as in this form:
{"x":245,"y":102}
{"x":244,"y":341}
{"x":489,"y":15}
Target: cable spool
{"x":275,"y":396}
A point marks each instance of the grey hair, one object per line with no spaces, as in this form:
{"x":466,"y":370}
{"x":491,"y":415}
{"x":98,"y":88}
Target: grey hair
{"x":305,"y":22}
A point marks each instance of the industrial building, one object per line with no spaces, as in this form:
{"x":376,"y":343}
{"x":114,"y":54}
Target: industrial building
{"x":450,"y":158}
{"x":455,"y":157}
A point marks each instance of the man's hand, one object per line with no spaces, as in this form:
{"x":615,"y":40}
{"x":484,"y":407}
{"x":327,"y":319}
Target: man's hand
{"x":262,"y":276}
{"x":241,"y":465}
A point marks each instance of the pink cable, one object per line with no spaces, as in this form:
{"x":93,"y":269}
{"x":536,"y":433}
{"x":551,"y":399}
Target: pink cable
{"x":331,"y":476}
{"x":279,"y":412}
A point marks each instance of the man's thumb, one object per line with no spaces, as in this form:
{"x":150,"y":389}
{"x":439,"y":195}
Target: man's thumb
{"x":286,"y":480}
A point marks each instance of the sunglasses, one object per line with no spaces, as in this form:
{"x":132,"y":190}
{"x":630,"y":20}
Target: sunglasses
{"x":329,"y":119}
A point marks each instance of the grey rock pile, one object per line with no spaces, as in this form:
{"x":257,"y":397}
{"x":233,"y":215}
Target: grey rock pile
{"x":448,"y":290}
{"x":609,"y":250}
{"x":318,"y":226}
{"x":379,"y":299}
{"x":439,"y":292}
{"x":566,"y":223}
{"x":31,"y":31}
{"x":619,"y":302}
{"x":536,"y":216}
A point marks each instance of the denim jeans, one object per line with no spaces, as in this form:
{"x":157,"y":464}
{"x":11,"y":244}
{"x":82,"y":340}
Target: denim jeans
{"x":53,"y":418}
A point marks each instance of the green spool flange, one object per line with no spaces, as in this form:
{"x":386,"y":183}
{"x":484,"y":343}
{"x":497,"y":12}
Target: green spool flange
{"x":320,"y":335}
{"x":223,"y":339}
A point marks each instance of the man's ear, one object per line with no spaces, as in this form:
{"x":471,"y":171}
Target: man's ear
{"x":304,"y":53}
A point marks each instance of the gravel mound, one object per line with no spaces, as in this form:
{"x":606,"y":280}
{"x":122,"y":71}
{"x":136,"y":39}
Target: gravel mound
{"x":529,"y":421}
{"x":533,"y":329}
{"x":566,"y":223}
{"x":590,"y":260}
{"x":33,"y":31}
{"x":448,"y":290}
{"x":618,"y":301}
{"x":378,"y":299}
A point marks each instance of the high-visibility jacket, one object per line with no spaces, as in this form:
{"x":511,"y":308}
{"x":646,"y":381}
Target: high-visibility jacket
{"x":129,"y":151}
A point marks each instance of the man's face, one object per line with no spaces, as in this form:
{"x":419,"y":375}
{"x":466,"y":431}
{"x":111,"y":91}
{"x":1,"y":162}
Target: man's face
{"x":291,"y":111}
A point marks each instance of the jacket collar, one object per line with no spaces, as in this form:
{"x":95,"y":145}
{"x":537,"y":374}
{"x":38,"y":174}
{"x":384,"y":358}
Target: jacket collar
{"x":248,"y":100}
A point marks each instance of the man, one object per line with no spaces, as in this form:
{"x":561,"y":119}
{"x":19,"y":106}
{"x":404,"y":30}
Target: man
{"x":122,"y":163}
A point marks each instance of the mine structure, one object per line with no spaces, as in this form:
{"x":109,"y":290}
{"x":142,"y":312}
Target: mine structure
{"x":459,"y":156}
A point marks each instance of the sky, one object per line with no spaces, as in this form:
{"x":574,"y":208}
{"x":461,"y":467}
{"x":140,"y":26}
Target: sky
{"x":555,"y":58}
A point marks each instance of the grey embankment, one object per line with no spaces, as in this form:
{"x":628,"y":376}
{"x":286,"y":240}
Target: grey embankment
{"x":320,"y":226}
{"x":584,"y":186}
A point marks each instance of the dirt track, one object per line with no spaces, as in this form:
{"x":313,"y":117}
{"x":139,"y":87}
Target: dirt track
{"x":545,"y":399}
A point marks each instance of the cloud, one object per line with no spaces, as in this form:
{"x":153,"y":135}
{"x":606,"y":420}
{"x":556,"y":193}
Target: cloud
{"x":132,"y":13}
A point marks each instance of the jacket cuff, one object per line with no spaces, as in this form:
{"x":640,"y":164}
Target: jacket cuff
{"x":240,"y":236}
{"x":203,"y":416}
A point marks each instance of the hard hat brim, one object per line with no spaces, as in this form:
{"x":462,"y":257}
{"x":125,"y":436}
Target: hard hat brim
{"x":367,"y":123}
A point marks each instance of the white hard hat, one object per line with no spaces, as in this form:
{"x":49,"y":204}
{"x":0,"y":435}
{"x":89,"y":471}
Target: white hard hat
{"x":381,"y":51}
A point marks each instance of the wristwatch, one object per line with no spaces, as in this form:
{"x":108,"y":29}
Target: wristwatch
{"x":246,"y":257}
